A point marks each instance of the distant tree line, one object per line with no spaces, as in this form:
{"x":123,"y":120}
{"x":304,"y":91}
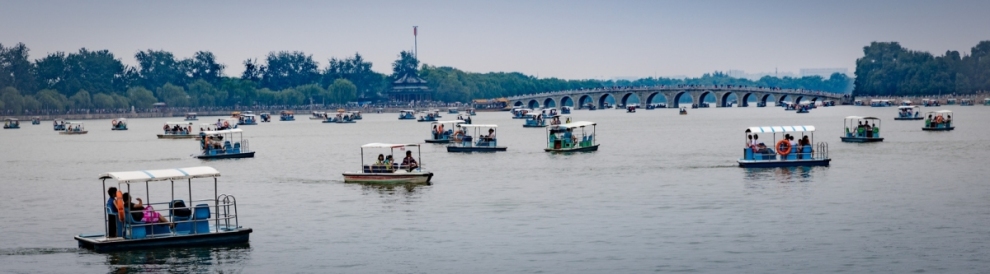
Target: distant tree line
{"x":890,"y":70}
{"x":89,"y":79}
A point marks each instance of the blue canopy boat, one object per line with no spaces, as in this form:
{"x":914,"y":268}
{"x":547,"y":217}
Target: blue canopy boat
{"x":287,"y":115}
{"x":535,"y":120}
{"x":518,"y":113}
{"x":36,"y":120}
{"x":565,"y":110}
{"x":471,"y":112}
{"x":247,"y":119}
{"x":119,"y":124}
{"x":212,"y":148}
{"x":938,"y":121}
{"x":452,"y":110}
{"x":441,"y":131}
{"x":211,"y":222}
{"x":356,"y":115}
{"x":908,"y":113}
{"x":11,"y":123}
{"x":485,"y":143}
{"x":390,"y":172}
{"x":860,"y":130}
{"x":192,"y":116}
{"x":562,"y":138}
{"x":758,"y":155}
{"x":341,"y":118}
{"x":407,"y":115}
{"x":265,"y":117}
{"x":427,"y":117}
{"x":58,"y":124}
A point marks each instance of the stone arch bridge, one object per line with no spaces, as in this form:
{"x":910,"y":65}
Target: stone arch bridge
{"x":671,"y":95}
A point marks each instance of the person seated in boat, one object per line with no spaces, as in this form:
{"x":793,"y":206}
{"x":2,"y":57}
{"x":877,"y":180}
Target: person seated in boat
{"x":491,"y":135}
{"x":141,"y":213}
{"x":468,"y":119}
{"x":749,"y":140}
{"x":790,"y":139}
{"x":568,"y":136}
{"x":166,"y":128}
{"x":409,"y":162}
{"x":436,"y":133}
{"x":389,"y":162}
{"x":381,"y":160}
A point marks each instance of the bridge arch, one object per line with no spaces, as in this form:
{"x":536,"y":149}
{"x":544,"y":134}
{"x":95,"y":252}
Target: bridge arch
{"x":677,"y":99}
{"x":724,"y":101}
{"x":652,"y":97}
{"x":549,"y":103}
{"x":566,"y":101}
{"x":517,"y":104}
{"x":584,"y":100}
{"x":767,"y":97}
{"x":744,"y":99}
{"x":625,"y":99}
{"x":797,"y":100}
{"x":780,"y":101}
{"x":702,"y":98}
{"x":533,"y":104}
{"x":604,"y":99}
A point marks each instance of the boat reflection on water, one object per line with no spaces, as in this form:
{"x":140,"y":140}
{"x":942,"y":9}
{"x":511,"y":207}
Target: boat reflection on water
{"x":799,"y":174}
{"x":230,"y":258}
{"x":408,"y":189}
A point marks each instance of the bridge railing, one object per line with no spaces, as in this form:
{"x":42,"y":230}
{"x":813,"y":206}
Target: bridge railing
{"x":678,"y":87}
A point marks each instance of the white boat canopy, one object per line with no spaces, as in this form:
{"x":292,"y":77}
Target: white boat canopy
{"x":384,"y":145}
{"x":448,"y":122}
{"x":248,"y":115}
{"x":908,"y":107}
{"x":860,"y":118}
{"x":162,"y":174}
{"x":11,"y":119}
{"x":944,"y":111}
{"x":775,"y":129}
{"x":191,"y":113}
{"x":482,"y":126}
{"x":73,"y":123}
{"x":215,"y":132}
{"x":577,"y":124}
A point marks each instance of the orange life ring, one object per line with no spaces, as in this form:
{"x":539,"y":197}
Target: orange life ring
{"x":783,"y":147}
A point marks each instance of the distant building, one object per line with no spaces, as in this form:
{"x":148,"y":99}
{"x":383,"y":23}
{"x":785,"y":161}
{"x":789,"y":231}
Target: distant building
{"x":409,"y":88}
{"x":823,"y":72}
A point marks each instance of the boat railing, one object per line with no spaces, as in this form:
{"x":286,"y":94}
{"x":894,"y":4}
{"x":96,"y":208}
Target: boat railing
{"x":224,"y":209}
{"x":821,"y":151}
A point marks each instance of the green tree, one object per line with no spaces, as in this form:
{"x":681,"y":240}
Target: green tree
{"x":102,"y":100}
{"x":15,"y":68}
{"x":342,"y":91}
{"x":122,"y":102}
{"x":290,"y":97}
{"x":141,"y":97}
{"x":81,"y":100}
{"x":407,"y":64}
{"x":52,"y":100}
{"x":158,"y":67}
{"x":288,"y":69}
{"x":172,"y":95}
{"x":12,"y":99}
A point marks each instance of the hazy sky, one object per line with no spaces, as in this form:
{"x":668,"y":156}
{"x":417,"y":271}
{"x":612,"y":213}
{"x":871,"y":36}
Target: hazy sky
{"x":566,"y":39}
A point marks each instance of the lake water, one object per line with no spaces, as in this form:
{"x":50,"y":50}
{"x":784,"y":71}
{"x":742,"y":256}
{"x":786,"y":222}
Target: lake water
{"x":662,"y":194}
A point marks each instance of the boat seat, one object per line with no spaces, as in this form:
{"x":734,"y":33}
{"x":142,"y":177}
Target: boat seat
{"x":226,"y":145}
{"x":747,"y":154}
{"x":367,"y":169}
{"x":237,"y":147}
{"x":179,"y":212}
{"x":133,"y":232}
{"x":201,"y":213}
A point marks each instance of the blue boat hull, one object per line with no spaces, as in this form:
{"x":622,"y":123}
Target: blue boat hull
{"x":438,"y":141}
{"x":240,"y":236}
{"x":783,"y":163}
{"x":589,"y":148}
{"x":938,"y":128}
{"x":527,"y":125}
{"x":227,"y":156}
{"x":861,"y":139}
{"x":475,"y":149}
